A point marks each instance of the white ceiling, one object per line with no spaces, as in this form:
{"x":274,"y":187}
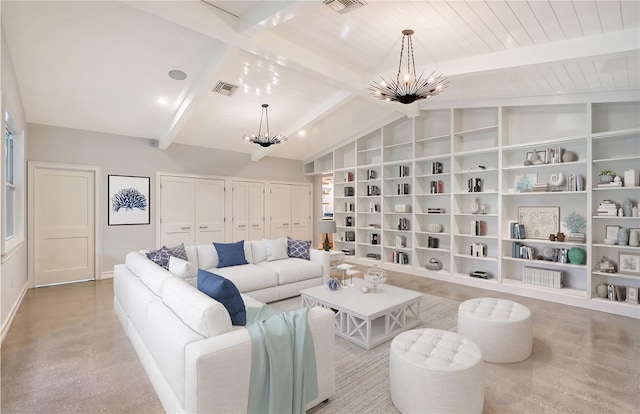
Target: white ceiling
{"x":102,"y":65}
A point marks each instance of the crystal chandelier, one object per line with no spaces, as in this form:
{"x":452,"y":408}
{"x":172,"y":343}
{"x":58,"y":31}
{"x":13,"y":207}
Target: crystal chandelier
{"x":407,"y":87}
{"x":264,"y":140}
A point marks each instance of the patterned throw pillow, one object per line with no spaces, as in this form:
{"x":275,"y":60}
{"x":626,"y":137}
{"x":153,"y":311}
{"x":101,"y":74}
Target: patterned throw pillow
{"x":161,"y":256}
{"x":298,"y":248}
{"x":179,"y":251}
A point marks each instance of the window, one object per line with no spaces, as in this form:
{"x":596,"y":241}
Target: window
{"x":8,"y":184}
{"x":13,"y":205}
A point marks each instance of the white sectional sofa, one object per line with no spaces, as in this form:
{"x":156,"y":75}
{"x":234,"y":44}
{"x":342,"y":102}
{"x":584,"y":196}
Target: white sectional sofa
{"x":195,"y":358}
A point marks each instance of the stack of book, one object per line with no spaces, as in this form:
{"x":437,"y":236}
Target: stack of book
{"x":576,"y":238}
{"x":611,"y":184}
{"x":607,"y":208}
{"x":542,"y":277}
{"x":540,"y":187}
{"x":516,"y":230}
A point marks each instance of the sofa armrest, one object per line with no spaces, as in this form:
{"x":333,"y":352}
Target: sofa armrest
{"x":218,"y":369}
{"x":324,"y":258}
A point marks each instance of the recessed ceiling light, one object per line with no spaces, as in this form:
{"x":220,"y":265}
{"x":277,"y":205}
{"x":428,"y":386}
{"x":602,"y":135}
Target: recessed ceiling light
{"x":177,"y":74}
{"x":302,"y":133}
{"x":163,"y":101}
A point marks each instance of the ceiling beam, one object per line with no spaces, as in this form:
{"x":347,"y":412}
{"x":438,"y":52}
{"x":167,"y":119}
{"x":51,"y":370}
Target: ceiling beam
{"x":268,"y":14}
{"x":198,"y":92}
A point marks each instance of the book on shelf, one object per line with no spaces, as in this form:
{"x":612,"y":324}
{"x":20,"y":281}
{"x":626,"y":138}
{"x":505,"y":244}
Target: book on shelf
{"x":611,"y":184}
{"x":542,"y":277}
{"x":540,"y":187}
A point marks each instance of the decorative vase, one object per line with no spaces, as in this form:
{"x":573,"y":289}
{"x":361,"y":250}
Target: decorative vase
{"x":627,"y":207}
{"x":605,"y":179}
{"x":568,"y":156}
{"x":577,"y":255}
{"x":634,"y":238}
{"x":623,"y":237}
{"x":601,"y":290}
{"x":333,"y":283}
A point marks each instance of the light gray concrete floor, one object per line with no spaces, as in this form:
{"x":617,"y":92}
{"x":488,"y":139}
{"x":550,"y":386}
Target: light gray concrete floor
{"x":67,"y":353}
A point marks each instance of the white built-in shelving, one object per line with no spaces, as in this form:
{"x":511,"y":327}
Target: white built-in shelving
{"x":442,"y":150}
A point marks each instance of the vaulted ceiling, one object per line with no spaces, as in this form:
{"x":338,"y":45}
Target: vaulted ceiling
{"x":103,"y":65}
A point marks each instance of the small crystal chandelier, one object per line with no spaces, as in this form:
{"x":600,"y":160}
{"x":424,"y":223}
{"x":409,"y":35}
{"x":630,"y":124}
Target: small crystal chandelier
{"x":408,"y":87}
{"x":264,"y":140}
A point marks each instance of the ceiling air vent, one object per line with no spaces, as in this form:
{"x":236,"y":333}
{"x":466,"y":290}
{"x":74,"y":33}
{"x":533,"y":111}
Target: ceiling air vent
{"x":344,"y":6}
{"x":224,"y":88}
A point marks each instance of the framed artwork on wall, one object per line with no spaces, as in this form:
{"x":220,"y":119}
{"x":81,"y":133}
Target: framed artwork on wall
{"x":539,"y":222}
{"x":128,"y":198}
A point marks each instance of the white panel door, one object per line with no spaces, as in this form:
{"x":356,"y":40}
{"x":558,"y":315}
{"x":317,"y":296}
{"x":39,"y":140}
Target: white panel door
{"x":301,"y":212}
{"x":240,"y":211}
{"x":210,"y":198}
{"x":280,"y":210}
{"x":64,"y":230}
{"x":256,"y":211}
{"x":177,"y":211}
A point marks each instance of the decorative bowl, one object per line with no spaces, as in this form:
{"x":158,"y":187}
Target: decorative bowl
{"x":610,"y":242}
{"x":375,"y":277}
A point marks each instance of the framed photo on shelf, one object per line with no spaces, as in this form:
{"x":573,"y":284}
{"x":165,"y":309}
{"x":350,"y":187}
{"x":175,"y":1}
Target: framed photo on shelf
{"x":632,"y":294}
{"x":611,"y":232}
{"x":629,"y":263}
{"x":128,"y":200}
{"x":539,"y":222}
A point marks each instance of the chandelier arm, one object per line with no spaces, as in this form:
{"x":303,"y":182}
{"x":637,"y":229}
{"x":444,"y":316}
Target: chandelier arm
{"x":400,"y":63}
{"x":413,"y":62}
{"x":266,"y":111}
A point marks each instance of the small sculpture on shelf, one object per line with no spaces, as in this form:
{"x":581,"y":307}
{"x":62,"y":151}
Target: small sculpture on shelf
{"x":560,"y":236}
{"x":605,"y":265}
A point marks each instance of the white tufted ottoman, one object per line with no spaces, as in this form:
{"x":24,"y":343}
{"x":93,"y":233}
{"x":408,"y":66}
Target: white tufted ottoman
{"x":434,"y":371}
{"x":501,"y":328}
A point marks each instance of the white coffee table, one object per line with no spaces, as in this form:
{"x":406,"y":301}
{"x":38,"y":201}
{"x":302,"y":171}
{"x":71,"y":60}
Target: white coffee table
{"x":367,"y":319}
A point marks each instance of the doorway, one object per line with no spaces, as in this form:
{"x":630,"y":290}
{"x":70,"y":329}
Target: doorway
{"x":63,"y":223}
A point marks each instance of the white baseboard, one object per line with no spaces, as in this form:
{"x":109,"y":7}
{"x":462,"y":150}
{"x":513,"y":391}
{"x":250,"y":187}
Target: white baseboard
{"x":106,"y":275}
{"x":12,"y":314}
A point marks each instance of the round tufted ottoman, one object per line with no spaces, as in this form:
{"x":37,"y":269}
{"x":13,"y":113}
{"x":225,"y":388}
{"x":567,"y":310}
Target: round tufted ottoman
{"x":434,"y":371}
{"x":501,"y":328}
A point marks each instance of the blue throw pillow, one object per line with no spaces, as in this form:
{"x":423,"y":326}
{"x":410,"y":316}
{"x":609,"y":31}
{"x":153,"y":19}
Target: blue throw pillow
{"x":230,"y":254}
{"x":224,"y":291}
{"x":160,"y":257}
{"x":299,"y":248}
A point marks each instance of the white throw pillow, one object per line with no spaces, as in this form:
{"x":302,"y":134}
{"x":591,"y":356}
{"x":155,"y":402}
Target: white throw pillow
{"x":276,"y":249}
{"x":182,"y":268}
{"x":258,"y":251}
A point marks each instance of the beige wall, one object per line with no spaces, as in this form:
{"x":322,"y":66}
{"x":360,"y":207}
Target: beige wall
{"x":133,"y":156}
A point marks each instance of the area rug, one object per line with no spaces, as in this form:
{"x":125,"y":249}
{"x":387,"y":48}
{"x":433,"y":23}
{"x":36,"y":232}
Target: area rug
{"x":362,"y":376}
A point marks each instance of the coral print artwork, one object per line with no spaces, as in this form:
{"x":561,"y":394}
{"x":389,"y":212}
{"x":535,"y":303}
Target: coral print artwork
{"x":128,"y":200}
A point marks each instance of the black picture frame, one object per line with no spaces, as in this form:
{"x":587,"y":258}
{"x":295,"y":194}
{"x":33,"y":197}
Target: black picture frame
{"x":128,"y":200}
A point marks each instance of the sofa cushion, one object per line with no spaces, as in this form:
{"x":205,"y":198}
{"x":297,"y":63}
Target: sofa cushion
{"x":259,"y":251}
{"x":208,"y":256}
{"x":230,"y":254}
{"x":182,"y":268}
{"x":298,"y":248}
{"x":161,"y":256}
{"x":249,"y":277}
{"x":276,"y":249}
{"x":294,"y":270}
{"x":224,"y":291}
{"x":149,"y":273}
{"x":198,"y":311}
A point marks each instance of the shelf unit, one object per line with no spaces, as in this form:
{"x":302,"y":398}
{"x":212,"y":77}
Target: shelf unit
{"x":443,"y":150}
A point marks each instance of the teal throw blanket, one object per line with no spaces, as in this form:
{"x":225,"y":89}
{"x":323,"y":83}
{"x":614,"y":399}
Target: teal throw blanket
{"x":283,"y":364}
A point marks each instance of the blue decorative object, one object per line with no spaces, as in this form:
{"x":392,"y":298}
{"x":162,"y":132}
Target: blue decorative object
{"x":577,"y":255}
{"x":128,"y":198}
{"x":299,"y":248}
{"x":230,"y":254}
{"x":575,"y":222}
{"x":525,"y":183}
{"x":333,"y":283}
{"x":224,"y":291}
